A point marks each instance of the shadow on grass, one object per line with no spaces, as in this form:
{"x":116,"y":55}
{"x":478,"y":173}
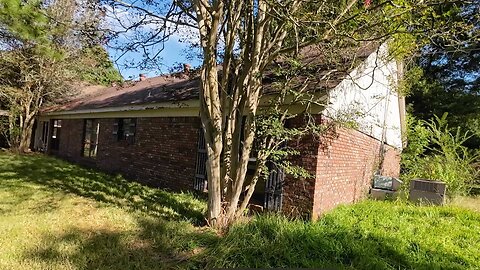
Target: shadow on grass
{"x":15,"y":195}
{"x":66,"y":177}
{"x":336,"y":242}
{"x":277,"y":242}
{"x":159,"y":245}
{"x":171,"y":245}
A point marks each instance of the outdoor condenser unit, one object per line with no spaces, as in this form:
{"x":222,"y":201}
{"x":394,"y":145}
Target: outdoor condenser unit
{"x":384,"y":187}
{"x":428,"y":191}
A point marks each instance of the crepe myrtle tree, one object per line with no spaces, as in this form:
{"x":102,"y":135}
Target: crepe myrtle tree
{"x":29,"y":79}
{"x":241,"y":42}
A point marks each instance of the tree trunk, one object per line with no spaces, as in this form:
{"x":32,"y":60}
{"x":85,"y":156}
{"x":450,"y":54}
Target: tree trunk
{"x":212,"y":127}
{"x":13,"y":132}
{"x":26,"y":135}
{"x":208,"y":19}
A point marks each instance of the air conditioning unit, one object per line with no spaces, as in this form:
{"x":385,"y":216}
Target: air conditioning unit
{"x":386,"y":183}
{"x":385,"y":187}
{"x":427,"y":191}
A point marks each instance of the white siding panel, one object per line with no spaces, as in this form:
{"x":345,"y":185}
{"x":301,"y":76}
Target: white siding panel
{"x":369,"y":97}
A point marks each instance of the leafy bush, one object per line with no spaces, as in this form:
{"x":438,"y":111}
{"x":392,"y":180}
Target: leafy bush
{"x":436,"y":151}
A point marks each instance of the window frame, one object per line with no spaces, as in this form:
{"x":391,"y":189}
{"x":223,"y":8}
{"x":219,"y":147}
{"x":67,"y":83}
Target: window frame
{"x":55,"y":134}
{"x":93,"y":133}
{"x":125,"y":129}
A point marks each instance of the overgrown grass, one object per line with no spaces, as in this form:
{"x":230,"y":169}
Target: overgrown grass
{"x":369,"y":235}
{"x":55,"y":215}
{"x":436,"y":151}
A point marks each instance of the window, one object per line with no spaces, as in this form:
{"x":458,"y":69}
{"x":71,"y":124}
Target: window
{"x":125,"y":129}
{"x":55,"y":140}
{"x":90,"y":138}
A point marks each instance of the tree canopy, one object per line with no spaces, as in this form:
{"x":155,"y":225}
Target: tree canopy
{"x":444,"y":76}
{"x":45,"y":48}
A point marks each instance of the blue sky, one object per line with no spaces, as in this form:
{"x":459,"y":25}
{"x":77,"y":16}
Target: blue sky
{"x":174,"y":53}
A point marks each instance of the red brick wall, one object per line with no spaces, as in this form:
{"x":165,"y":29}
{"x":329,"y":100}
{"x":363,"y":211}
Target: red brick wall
{"x":345,"y":166}
{"x":70,"y":143}
{"x":163,"y":154}
{"x":391,"y":162}
{"x":298,"y":193}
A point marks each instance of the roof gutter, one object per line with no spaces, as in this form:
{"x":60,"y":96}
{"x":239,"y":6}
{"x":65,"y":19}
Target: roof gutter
{"x":142,"y":107}
{"x":173,"y":108}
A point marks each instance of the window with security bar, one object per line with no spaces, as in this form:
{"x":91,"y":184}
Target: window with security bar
{"x":200,"y":181}
{"x":268,"y":192}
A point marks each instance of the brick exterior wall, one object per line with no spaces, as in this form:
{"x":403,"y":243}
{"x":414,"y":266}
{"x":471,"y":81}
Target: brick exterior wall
{"x":345,"y":167}
{"x":165,"y":149}
{"x":298,"y":193}
{"x":70,"y":140}
{"x":163,"y":154}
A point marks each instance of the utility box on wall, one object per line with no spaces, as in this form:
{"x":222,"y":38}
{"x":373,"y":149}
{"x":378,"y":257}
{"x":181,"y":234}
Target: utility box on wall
{"x":427,"y":191}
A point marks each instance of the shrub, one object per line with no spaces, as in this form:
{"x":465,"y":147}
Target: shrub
{"x":437,"y":152}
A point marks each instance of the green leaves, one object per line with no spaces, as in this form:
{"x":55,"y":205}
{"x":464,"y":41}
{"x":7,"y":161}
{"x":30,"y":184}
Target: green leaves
{"x":95,"y":67}
{"x":26,"y":24}
{"x":23,"y":19}
{"x":438,"y":152}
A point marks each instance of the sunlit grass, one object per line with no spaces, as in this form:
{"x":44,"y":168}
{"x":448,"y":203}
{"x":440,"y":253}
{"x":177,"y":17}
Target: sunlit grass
{"x":472,"y":202}
{"x":368,"y":235}
{"x":55,"y":215}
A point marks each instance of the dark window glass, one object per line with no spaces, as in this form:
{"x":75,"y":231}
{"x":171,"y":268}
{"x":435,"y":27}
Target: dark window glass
{"x":55,"y":140}
{"x":44,"y":139}
{"x":125,"y":129}
{"x":90,"y":138}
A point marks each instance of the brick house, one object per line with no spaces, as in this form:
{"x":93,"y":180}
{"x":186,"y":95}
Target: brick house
{"x":149,"y":131}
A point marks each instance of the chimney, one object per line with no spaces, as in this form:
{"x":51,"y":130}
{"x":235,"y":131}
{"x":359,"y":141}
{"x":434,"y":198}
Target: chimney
{"x":142,"y":76}
{"x":186,"y":68}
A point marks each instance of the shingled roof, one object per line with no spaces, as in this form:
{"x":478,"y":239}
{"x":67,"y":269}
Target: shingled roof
{"x":180,"y":87}
{"x":174,"y":87}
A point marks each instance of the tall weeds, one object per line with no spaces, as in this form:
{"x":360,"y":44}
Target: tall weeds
{"x":438,"y":152}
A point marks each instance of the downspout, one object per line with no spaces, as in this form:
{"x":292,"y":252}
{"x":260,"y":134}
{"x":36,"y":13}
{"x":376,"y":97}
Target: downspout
{"x":401,"y":105}
{"x":384,"y":133}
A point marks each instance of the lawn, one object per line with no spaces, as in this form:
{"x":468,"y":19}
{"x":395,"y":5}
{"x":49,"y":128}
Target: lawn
{"x":55,"y":215}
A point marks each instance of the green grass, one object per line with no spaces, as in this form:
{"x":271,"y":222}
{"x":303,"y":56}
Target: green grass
{"x":55,"y":215}
{"x":369,"y":235}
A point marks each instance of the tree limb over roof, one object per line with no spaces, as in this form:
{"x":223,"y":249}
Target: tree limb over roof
{"x":177,"y":87}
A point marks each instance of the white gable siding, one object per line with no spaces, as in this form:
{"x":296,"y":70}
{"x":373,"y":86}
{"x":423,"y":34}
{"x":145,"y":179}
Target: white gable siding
{"x":368,"y":96}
